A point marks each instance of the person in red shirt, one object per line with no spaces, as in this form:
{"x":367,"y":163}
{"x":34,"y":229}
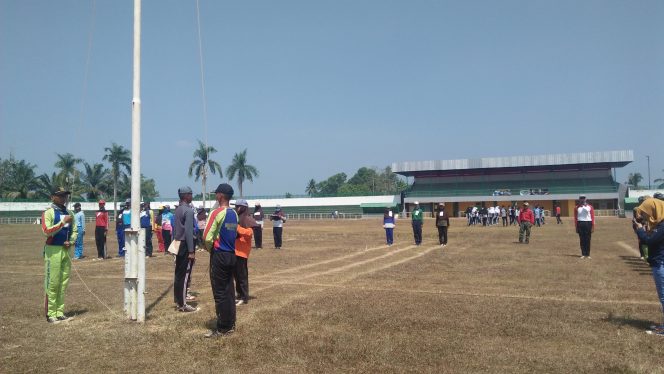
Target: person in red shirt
{"x":242,"y":249}
{"x":526,"y":220}
{"x":101,"y":229}
{"x":558,"y":220}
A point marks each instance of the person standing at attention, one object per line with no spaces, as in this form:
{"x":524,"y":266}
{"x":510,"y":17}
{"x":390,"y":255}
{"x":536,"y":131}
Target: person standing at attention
{"x":558,"y":220}
{"x":167,"y":222}
{"x":278,"y":219}
{"x":417,"y":216}
{"x":120,"y":233}
{"x":242,"y":249}
{"x":184,"y":232}
{"x":258,"y":229}
{"x":79,"y":218}
{"x":147,"y":222}
{"x":220,"y":237}
{"x":389,"y":223}
{"x":526,"y":221}
{"x":156,"y":228}
{"x":60,"y":230}
{"x":584,"y":221}
{"x":101,"y":230}
{"x":442,"y":223}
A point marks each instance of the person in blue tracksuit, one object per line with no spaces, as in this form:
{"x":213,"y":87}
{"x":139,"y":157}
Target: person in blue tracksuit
{"x":389,"y":222}
{"x":147,"y":219}
{"x":79,"y":219}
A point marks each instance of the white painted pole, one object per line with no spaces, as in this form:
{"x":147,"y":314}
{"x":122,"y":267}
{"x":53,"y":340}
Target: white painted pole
{"x":135,"y":242}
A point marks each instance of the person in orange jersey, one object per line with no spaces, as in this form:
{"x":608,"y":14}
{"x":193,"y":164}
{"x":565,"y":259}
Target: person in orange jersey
{"x":242,"y":250}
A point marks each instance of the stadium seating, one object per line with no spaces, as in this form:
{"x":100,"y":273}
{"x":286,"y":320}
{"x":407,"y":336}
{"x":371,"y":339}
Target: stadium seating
{"x":516,"y":188}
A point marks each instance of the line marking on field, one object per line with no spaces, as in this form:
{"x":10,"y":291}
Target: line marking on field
{"x":353,"y":265}
{"x":472,"y":294}
{"x":314,"y":264}
{"x":628,"y":247}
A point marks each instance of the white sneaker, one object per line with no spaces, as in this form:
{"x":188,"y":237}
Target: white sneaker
{"x":240,"y":302}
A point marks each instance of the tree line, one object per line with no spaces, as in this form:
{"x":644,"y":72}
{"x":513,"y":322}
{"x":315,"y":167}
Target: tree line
{"x":634,"y":180}
{"x":366,"y":181}
{"x":19,"y":180}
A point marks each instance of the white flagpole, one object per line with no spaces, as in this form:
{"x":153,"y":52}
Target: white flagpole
{"x":135,"y":237}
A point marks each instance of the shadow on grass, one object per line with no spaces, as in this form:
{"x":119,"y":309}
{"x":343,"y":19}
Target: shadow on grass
{"x":637,"y":264}
{"x":76,"y":312}
{"x":159,"y":299}
{"x":640,"y":324}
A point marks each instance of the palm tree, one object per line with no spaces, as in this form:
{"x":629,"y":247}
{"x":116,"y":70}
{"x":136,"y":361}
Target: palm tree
{"x":633,"y":179}
{"x":47,"y":184}
{"x":244,"y":171}
{"x":660,"y":181}
{"x":95,"y":181}
{"x":119,"y":157}
{"x":22,"y":181}
{"x":201,"y":163}
{"x":67,"y":165}
{"x":311,"y":188}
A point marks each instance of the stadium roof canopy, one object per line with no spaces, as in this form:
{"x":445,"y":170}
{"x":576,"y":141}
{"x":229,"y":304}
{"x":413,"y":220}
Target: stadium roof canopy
{"x":537,"y":163}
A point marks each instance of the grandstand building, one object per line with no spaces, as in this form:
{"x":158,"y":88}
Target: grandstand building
{"x":545,"y":180}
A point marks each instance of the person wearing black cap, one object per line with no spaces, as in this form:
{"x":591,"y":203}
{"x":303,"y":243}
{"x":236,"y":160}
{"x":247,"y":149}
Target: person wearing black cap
{"x":60,"y":230}
{"x":220,"y":236}
{"x":120,"y":230}
{"x":79,"y":219}
{"x":184,"y":260}
{"x":584,"y":221}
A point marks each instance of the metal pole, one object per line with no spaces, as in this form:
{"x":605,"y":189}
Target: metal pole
{"x":135,"y":238}
{"x":648,"y":157}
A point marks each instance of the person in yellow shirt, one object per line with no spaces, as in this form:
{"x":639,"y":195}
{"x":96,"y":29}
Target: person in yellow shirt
{"x":60,"y":230}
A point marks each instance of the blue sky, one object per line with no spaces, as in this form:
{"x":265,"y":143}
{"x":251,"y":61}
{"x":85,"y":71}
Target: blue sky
{"x":312,"y":88}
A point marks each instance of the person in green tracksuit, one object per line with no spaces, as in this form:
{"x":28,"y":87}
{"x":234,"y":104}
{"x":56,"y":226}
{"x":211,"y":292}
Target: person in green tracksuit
{"x":60,"y":230}
{"x":417,"y":215}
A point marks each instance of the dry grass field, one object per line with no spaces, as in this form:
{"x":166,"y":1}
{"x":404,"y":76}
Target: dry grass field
{"x":335,"y":299}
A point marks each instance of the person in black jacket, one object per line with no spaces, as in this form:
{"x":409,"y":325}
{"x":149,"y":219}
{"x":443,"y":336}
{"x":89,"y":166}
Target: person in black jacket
{"x":442,"y":223}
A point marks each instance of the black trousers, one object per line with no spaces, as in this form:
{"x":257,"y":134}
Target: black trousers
{"x":241,"y":278}
{"x":277,"y":232}
{"x":148,"y":241}
{"x":167,"y":238}
{"x":258,"y":236}
{"x":584,"y":228}
{"x":222,"y":265}
{"x":558,"y":220}
{"x":100,"y":241}
{"x":183,"y":267}
{"x":442,"y":234}
{"x":417,"y":232}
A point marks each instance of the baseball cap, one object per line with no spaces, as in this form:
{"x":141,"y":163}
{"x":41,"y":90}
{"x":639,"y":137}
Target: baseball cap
{"x":417,"y":203}
{"x":241,"y":202}
{"x":582,"y":197}
{"x":77,"y":205}
{"x":184,"y":190}
{"x":102,"y":202}
{"x":225,"y":188}
{"x":525,"y":203}
{"x":59,"y":191}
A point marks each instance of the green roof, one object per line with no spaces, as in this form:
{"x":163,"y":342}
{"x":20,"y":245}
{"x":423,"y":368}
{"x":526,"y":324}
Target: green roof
{"x":378,"y":205}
